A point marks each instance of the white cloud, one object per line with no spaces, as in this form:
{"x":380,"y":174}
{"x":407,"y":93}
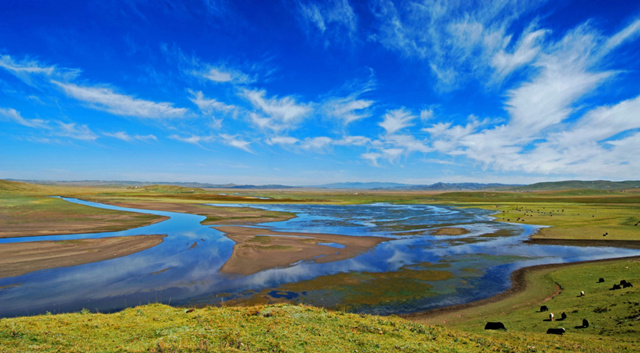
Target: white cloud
{"x":121,"y":135}
{"x":26,"y":67}
{"x":282,"y":140}
{"x":396,"y":120}
{"x":34,"y":73}
{"x":348,"y":109}
{"x":281,"y":113}
{"x":426,"y":114}
{"x":221,"y":74}
{"x":353,"y":141}
{"x":209,"y":105}
{"x":74,"y":131}
{"x":372,"y":157}
{"x":234,"y":141}
{"x":408,"y":143}
{"x":317,"y":143}
{"x":628,"y":33}
{"x":455,"y":39}
{"x":15,"y":116}
{"x":334,"y":20}
{"x":119,"y":104}
{"x":193,"y":139}
{"x":524,"y":52}
{"x":543,"y":135}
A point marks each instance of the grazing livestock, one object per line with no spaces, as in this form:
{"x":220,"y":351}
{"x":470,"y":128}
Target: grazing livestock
{"x":544,"y":308}
{"x":585,"y":323}
{"x":551,"y":317}
{"x":615,"y":286}
{"x":494,"y":326}
{"x":627,"y":285}
{"x":563,"y":316}
{"x":556,"y":331}
{"x":622,"y":282}
{"x":601,"y":280}
{"x":582,"y":293}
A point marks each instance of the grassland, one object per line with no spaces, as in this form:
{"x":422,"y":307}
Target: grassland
{"x":27,"y":210}
{"x":610,"y":313}
{"x":278,"y":328}
{"x":588,"y":214}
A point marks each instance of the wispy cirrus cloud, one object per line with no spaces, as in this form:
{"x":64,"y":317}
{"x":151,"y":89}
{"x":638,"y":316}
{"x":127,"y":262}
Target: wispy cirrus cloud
{"x":51,"y":128}
{"x":222,"y":74}
{"x":279,"y":113}
{"x":34,"y":73}
{"x":348,"y":109}
{"x":15,"y":116}
{"x":75,"y":131}
{"x":209,"y":105}
{"x":193,"y":139}
{"x":106,"y":99}
{"x":457,"y":40}
{"x":396,"y":120}
{"x":332,"y":20}
{"x":282,"y":140}
{"x":235,"y":141}
{"x":124,"y":136}
{"x":545,"y":132}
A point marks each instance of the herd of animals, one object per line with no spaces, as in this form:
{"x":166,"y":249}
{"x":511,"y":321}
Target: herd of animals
{"x":560,"y":330}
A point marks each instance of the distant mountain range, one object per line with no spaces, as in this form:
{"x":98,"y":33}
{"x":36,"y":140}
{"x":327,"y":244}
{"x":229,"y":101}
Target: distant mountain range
{"x":581,"y":184}
{"x":546,"y":186}
{"x":398,"y":186}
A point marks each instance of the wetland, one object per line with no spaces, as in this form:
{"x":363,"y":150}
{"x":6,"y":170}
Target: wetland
{"x":381,"y":258}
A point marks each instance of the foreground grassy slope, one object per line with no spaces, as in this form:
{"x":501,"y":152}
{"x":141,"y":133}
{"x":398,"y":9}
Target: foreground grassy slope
{"x":281,"y":328}
{"x":611,"y":313}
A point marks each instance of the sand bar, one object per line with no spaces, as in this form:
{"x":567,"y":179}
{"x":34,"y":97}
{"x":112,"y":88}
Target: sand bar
{"x":259,"y":249}
{"x":20,"y":258}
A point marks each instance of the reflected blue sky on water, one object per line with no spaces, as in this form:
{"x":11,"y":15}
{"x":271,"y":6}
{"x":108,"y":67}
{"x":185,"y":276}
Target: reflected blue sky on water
{"x":179,"y":273}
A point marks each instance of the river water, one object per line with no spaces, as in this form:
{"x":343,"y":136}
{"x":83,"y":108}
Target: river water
{"x":177,"y":273}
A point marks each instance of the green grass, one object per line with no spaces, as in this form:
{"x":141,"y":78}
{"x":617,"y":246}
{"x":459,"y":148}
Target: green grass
{"x":276,"y":328}
{"x":611,"y":314}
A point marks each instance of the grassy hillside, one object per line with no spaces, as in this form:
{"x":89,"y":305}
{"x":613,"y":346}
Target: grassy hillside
{"x":580,"y":184}
{"x":7,"y":187}
{"x":279,"y":328}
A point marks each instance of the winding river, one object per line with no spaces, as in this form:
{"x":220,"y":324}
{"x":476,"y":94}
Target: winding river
{"x":177,"y":273}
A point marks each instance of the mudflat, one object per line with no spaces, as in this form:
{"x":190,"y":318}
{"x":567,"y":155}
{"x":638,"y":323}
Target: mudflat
{"x":260,"y":249}
{"x":20,"y":258}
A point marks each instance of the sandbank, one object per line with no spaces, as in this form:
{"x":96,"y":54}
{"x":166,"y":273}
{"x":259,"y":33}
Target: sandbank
{"x":450,"y":231}
{"x":20,"y":258}
{"x":259,"y":249}
{"x":88,"y":224}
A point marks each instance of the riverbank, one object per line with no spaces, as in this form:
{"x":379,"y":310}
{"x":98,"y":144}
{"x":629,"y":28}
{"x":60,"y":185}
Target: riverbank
{"x":21,"y":258}
{"x":557,"y":286}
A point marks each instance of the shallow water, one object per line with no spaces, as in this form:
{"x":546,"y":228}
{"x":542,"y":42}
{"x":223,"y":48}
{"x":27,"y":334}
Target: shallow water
{"x":177,"y":273}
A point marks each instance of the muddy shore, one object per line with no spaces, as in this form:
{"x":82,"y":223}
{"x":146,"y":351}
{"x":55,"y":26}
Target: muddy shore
{"x":20,"y":258}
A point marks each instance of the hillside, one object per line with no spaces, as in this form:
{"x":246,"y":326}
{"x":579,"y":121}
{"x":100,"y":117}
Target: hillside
{"x":274,"y":328}
{"x":7,"y":186}
{"x":581,"y":184}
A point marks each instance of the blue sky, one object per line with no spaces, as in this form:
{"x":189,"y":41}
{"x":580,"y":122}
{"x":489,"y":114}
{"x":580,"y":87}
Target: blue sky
{"x":301,"y":92}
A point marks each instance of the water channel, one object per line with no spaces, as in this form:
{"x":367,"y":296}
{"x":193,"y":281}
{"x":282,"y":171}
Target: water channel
{"x":177,"y":273}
